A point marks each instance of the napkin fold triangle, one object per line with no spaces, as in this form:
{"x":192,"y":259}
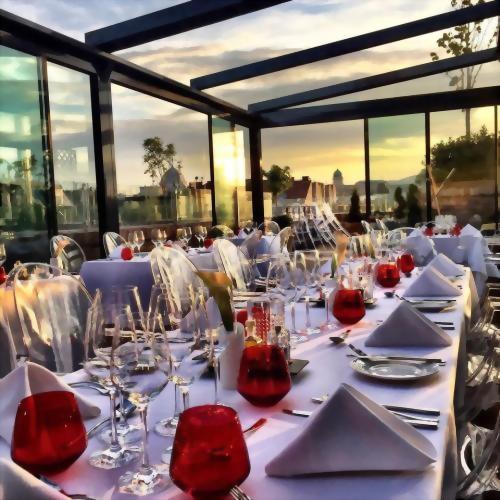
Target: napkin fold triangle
{"x":446,"y":266}
{"x":432,"y":283}
{"x":407,"y":327}
{"x":27,"y":380}
{"x":469,"y":230}
{"x":350,"y":432}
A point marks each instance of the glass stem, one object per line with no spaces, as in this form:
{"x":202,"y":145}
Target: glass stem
{"x":292,"y":311}
{"x":144,"y":421}
{"x":326,"y":295}
{"x":123,"y":418}
{"x":176,"y":403}
{"x":216,"y":379}
{"x":308,"y":313}
{"x":185,"y":397}
{"x":114,"y":445}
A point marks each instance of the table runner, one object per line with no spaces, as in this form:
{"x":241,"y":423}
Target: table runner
{"x":329,"y":366}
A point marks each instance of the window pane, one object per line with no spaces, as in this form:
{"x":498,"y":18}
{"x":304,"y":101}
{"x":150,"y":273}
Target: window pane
{"x":23,"y":179}
{"x":327,"y":164}
{"x":397,"y":168}
{"x":73,"y":156}
{"x":160,"y":184}
{"x":233,"y":200}
{"x":463,"y":164}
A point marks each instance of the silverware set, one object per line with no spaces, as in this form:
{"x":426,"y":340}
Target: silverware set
{"x":238,"y":494}
{"x":444,"y":325}
{"x":363,"y":355}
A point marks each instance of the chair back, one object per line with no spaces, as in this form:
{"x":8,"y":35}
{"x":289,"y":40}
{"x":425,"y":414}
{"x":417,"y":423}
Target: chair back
{"x":52,"y":311}
{"x":269,"y":227}
{"x":366,"y":226}
{"x":68,"y":252}
{"x":111,"y":241}
{"x":232,"y":261}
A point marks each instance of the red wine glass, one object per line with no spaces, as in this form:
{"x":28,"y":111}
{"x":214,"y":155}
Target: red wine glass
{"x":264,"y":378}
{"x":49,"y":434}
{"x":388,"y":275}
{"x":207,"y":243}
{"x":406,"y":263}
{"x":348,"y":306}
{"x":209,"y":455}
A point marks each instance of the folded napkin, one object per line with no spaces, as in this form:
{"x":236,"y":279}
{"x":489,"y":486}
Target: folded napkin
{"x":421,"y":247}
{"x":29,"y":379}
{"x":432,"y":283}
{"x":16,"y":483}
{"x":446,"y":266}
{"x":407,"y":327}
{"x":469,"y":230}
{"x":116,"y":253}
{"x":350,"y":432}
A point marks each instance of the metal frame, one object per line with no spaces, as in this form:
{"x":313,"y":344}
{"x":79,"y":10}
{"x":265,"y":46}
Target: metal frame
{"x":171,"y":21}
{"x":349,"y":45}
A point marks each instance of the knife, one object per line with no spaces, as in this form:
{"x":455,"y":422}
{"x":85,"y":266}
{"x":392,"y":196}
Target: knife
{"x":297,"y":413}
{"x":400,"y":358}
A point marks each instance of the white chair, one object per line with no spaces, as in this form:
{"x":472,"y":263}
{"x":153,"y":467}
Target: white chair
{"x":111,"y":241}
{"x":366,"y":226}
{"x":51,"y":307}
{"x":269,"y":227}
{"x":69,"y":253}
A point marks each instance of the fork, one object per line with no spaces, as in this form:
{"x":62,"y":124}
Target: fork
{"x":238,"y":494}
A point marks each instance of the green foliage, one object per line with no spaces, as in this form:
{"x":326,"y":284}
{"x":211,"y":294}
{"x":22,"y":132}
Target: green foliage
{"x":279,"y":179}
{"x":471,"y":156}
{"x":158,"y":157}
{"x":400,"y":210}
{"x":354,"y":214}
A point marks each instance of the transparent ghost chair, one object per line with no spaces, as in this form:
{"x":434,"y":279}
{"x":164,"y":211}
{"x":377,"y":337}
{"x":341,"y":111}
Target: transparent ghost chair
{"x":252,"y":246}
{"x":232,"y":261}
{"x":7,"y":347}
{"x":381,"y":225}
{"x":269,"y":228}
{"x":68,"y":253}
{"x":111,"y":241}
{"x":51,"y":308}
{"x":366,"y":226}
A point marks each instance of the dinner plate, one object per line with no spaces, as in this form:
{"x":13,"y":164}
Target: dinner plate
{"x":394,"y":369}
{"x":433,"y":306}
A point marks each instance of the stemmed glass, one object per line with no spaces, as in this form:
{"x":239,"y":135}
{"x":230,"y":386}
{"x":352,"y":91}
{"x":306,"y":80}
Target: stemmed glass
{"x":140,"y":239}
{"x":158,"y":237}
{"x":189,"y":234}
{"x":306,"y":268}
{"x":148,"y":374}
{"x":115,"y":455}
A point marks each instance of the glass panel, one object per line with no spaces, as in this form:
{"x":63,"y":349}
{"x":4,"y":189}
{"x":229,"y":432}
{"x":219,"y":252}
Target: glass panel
{"x":463,"y":164}
{"x":233,"y":192}
{"x":397,"y":168}
{"x":23,"y":179}
{"x":327,"y":164}
{"x":162,"y":163}
{"x":73,"y":156}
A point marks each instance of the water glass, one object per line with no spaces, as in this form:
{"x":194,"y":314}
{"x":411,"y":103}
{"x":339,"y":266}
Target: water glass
{"x":406,"y":263}
{"x":348,"y":306}
{"x":388,"y":275}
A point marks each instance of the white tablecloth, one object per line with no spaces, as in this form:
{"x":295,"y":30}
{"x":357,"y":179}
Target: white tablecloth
{"x":328,"y":367}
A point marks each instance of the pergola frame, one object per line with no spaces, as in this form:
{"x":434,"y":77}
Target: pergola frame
{"x":105,"y":69}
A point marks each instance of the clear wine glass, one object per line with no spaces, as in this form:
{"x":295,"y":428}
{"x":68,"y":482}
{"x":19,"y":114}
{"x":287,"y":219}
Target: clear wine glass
{"x":189,"y":234}
{"x":148,"y":374}
{"x":3,"y":254}
{"x":156,"y":236}
{"x":132,"y":239}
{"x":140,"y":239}
{"x":115,"y":455}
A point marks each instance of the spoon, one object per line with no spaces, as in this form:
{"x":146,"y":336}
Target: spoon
{"x":340,"y":338}
{"x":390,"y":294}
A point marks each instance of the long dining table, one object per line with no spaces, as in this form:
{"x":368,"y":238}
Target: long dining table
{"x":329,"y":366}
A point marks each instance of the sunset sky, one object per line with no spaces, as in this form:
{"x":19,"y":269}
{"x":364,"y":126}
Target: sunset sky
{"x":396,"y":144}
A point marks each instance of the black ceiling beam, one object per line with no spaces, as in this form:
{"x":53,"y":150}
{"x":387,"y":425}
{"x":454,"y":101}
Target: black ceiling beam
{"x":371,"y":82}
{"x":350,"y":45}
{"x":172,"y":21}
{"x":27,"y":36}
{"x":438,"y":101}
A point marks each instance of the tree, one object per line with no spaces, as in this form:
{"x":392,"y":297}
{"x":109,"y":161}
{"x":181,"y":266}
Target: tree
{"x":413,"y":202}
{"x":158,"y":158}
{"x":461,"y":40}
{"x":400,"y":210}
{"x":279,"y":179}
{"x":354,"y":214}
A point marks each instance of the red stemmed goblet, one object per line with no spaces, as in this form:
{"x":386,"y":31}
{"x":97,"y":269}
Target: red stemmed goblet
{"x":406,"y":263}
{"x":49,"y":434}
{"x":348,"y":306}
{"x":209,"y":455}
{"x":264,"y":378}
{"x":388,"y":275}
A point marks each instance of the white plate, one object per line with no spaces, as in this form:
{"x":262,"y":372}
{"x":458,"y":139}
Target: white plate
{"x":401,"y":371}
{"x":431,"y":306}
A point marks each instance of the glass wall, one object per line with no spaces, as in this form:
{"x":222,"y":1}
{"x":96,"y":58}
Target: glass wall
{"x":23,"y":167}
{"x":162,"y":162}
{"x":463,"y":164}
{"x":397,"y":168}
{"x":315,"y":164}
{"x":73,"y":156}
{"x":232,"y":179}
